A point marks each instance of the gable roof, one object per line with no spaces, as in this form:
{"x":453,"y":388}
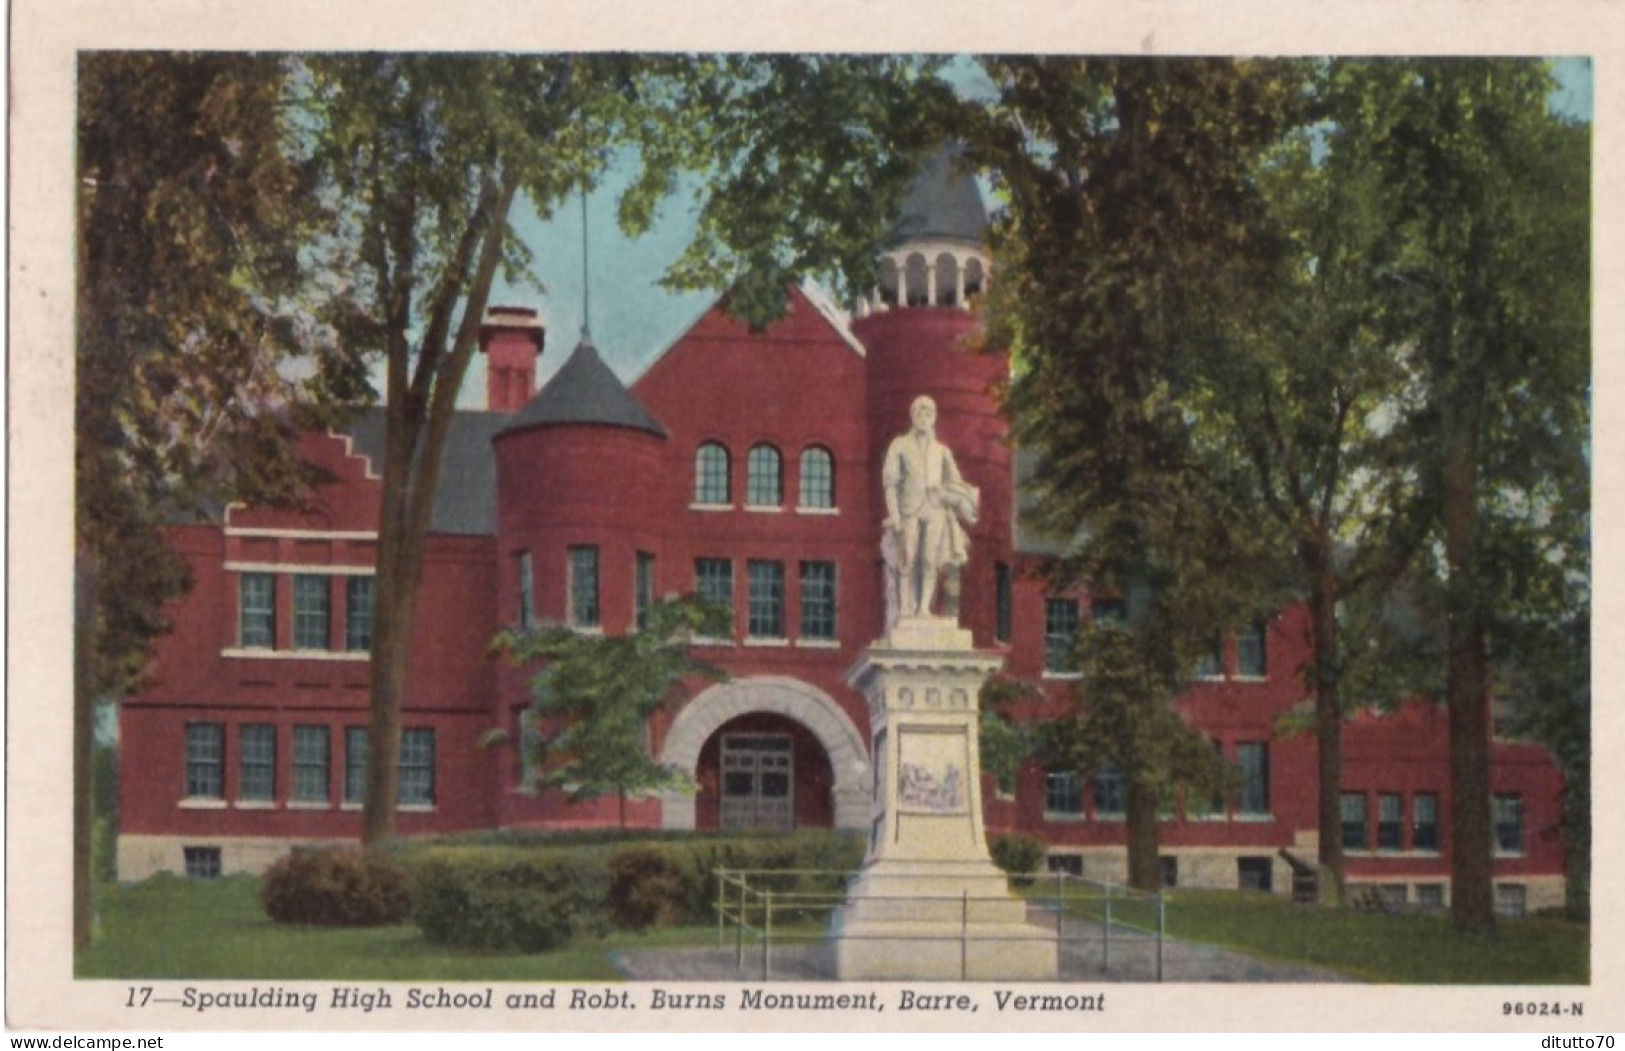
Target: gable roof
{"x":466,"y":501}
{"x":584,"y":391}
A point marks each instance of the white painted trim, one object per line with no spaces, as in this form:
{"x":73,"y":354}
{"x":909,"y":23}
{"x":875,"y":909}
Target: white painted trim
{"x":1062,"y":676}
{"x":301,"y":567}
{"x":767,"y":643}
{"x":825,"y":511}
{"x":765,"y":509}
{"x":367,"y":470}
{"x":236,"y":653}
{"x":711,"y":507}
{"x":302,"y":534}
{"x":254,"y":804}
{"x":201,"y":803}
{"x":818,"y":644}
{"x":308,"y":804}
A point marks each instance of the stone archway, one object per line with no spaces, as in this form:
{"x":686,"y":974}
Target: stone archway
{"x":793,"y":699}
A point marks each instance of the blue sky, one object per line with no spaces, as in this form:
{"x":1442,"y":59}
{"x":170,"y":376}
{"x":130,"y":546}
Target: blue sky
{"x":633,"y":318}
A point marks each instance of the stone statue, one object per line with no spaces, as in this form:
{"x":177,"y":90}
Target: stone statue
{"x":928,"y":506}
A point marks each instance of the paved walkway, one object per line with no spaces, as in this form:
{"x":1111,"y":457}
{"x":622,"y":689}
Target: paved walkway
{"x":1129,"y":958}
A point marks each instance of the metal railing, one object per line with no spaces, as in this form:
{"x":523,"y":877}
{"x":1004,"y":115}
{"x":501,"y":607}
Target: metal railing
{"x":1096,"y":926}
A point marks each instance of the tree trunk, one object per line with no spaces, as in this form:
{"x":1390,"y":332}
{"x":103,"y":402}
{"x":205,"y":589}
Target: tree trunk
{"x":84,"y":715}
{"x":1472,"y":902}
{"x":1140,"y":806}
{"x":1328,"y":714}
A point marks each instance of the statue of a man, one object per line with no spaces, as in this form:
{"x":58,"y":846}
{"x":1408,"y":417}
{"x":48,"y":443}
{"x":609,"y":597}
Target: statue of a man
{"x":926,"y":503}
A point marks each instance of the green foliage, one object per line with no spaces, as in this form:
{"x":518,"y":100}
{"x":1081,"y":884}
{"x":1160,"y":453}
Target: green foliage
{"x":595,"y":695}
{"x":494,"y":899}
{"x":647,"y":889}
{"x":1019,"y":855}
{"x":336,"y":888}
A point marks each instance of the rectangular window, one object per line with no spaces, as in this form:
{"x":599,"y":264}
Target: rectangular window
{"x":1508,"y":811}
{"x":1255,"y":873}
{"x":1002,"y":602}
{"x":256,"y":611}
{"x":1211,"y":664}
{"x":1065,"y":864}
{"x":818,"y":600}
{"x":417,"y":768}
{"x":1109,"y":793}
{"x":1351,"y":807}
{"x":1430,"y":896}
{"x":256,"y":763}
{"x":1251,"y":658}
{"x":1168,"y":870}
{"x":714,"y":581}
{"x":1063,"y":793}
{"x":312,"y":600}
{"x":1390,"y":821}
{"x":584,"y":612}
{"x":358,"y":614}
{"x":527,"y":591}
{"x":1394,"y":896}
{"x":1511,"y":901}
{"x":643,"y":589}
{"x":310,"y":764}
{"x":1061,"y":635}
{"x":1253,"y":759}
{"x":355,"y":764}
{"x":1425,"y":821}
{"x":766,"y":610}
{"x":205,"y":761}
{"x":201,"y":862}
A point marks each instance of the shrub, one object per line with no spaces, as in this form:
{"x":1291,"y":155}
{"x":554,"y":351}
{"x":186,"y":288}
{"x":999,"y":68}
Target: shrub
{"x":496,"y":898}
{"x":336,"y":888}
{"x":650,"y":887}
{"x":1019,"y":855}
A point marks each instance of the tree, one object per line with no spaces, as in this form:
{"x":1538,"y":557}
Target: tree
{"x":1305,"y":395}
{"x":1488,"y":195}
{"x":427,"y":153}
{"x":595,"y":695}
{"x":1128,"y":236}
{"x":191,"y":302}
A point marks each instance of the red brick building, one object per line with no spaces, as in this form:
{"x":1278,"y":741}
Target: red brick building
{"x":746,"y":467}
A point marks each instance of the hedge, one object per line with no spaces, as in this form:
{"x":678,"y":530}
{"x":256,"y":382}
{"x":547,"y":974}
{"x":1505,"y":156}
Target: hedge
{"x":336,"y":888}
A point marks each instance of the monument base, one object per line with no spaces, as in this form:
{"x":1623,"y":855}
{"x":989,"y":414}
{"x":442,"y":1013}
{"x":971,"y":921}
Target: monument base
{"x":939,"y":921}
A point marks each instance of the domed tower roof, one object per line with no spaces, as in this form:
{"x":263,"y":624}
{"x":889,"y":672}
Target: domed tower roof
{"x":585,"y":391}
{"x":943,"y":203}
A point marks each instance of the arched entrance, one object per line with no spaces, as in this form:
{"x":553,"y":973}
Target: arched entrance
{"x":752,"y":727}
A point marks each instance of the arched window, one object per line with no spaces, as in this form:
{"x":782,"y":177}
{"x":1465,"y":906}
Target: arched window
{"x":711,"y":475}
{"x":947,"y":280}
{"x":917,"y":285}
{"x":817,"y":478}
{"x":764,"y":486}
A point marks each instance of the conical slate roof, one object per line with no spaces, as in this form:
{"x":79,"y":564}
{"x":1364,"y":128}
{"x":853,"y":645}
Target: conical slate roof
{"x":585,"y":391}
{"x":943,"y":202}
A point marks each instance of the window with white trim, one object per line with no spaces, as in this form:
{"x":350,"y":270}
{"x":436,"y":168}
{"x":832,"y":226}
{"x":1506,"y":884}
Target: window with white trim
{"x":764,"y":477}
{"x":1508,"y":814}
{"x":584,"y":610}
{"x":256,"y":763}
{"x":1063,"y":793}
{"x":1253,"y":759}
{"x":817,"y":479}
{"x":1109,"y":793}
{"x":1425,"y":821}
{"x":1351,"y":809}
{"x":527,"y":591}
{"x":643,"y":589}
{"x":417,"y":767}
{"x":818,"y":600}
{"x":355,"y":764}
{"x":358,"y":614}
{"x":714,"y":581}
{"x":711,"y":475}
{"x":201,"y":862}
{"x":1061,"y":635}
{"x":765,"y":618}
{"x":1390,"y":821}
{"x":311,"y":764}
{"x":256,"y":594}
{"x":1252,"y":657}
{"x":205,"y":761}
{"x":312,"y":609}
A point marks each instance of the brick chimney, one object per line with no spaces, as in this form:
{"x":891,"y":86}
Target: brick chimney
{"x":512,"y":339}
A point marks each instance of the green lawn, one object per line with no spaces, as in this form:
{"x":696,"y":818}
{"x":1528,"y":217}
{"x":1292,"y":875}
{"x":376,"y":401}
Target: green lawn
{"x":1371,"y":946}
{"x":174,"y":928}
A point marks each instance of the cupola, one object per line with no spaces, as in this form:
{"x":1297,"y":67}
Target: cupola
{"x":937,"y":257}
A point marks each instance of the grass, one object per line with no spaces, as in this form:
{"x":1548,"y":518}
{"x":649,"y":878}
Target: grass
{"x":173,"y":928}
{"x":1407,"y":948}
{"x":176,"y":928}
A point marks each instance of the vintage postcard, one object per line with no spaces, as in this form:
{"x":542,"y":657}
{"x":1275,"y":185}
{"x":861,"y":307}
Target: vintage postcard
{"x":857,"y":517}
